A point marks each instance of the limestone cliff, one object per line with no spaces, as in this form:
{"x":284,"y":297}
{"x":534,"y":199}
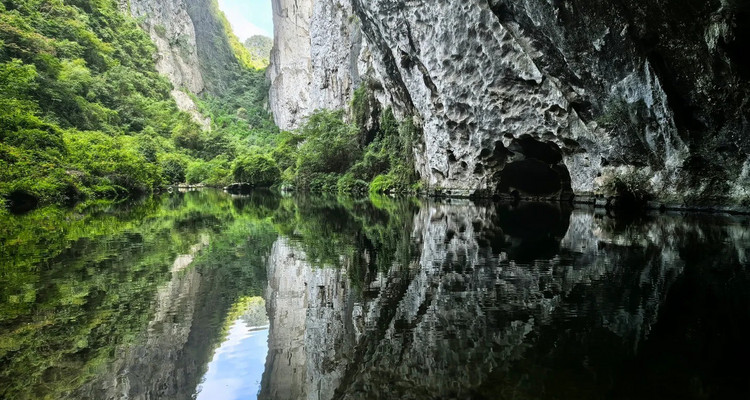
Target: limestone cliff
{"x":540,"y":98}
{"x":193,"y":50}
{"x":314,"y":62}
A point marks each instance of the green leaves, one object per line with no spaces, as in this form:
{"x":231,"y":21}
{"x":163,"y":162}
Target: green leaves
{"x":77,"y":78}
{"x":333,"y":157}
{"x":257,"y":170}
{"x":16,"y":79}
{"x":330,"y":147}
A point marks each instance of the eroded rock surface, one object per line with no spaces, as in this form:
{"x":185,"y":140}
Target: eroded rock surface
{"x":193,"y":51}
{"x":542,"y":98}
{"x":315,"y":59}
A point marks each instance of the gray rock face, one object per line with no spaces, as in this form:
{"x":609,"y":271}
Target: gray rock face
{"x":217,"y":61}
{"x":173,"y":33}
{"x":315,"y":61}
{"x":544,"y":98}
{"x":304,"y":307}
{"x":286,"y":300}
{"x":193,"y":51}
{"x":290,"y":68}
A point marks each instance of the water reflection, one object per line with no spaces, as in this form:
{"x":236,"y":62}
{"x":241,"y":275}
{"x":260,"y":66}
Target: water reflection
{"x":237,"y":367}
{"x":203,"y":295}
{"x":533,"y":301}
{"x":125,"y":301}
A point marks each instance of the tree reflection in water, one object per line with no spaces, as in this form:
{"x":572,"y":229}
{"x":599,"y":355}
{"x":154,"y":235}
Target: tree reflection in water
{"x":371,"y":298}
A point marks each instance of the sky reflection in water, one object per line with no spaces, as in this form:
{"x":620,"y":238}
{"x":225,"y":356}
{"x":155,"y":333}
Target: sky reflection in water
{"x":237,"y":367}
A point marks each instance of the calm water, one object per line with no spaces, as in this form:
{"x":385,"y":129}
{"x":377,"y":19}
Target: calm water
{"x":204,"y":296}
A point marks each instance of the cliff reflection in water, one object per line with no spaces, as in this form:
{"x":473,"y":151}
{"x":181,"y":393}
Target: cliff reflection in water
{"x":532,"y":301}
{"x":375,"y":298}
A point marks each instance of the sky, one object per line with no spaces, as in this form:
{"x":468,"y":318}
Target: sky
{"x":249,"y":17}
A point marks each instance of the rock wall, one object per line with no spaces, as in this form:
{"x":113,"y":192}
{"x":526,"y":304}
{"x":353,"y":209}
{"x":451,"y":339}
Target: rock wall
{"x":286,"y":302}
{"x":315,"y":58}
{"x":193,"y":51}
{"x":539,"y":98}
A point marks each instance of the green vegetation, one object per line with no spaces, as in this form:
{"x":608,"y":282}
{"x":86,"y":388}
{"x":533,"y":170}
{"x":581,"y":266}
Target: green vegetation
{"x":260,"y":48}
{"x":326,"y":154}
{"x":247,"y":59}
{"x":85,"y":115}
{"x":336,"y":156}
{"x":83,"y":112}
{"x":257,"y":170}
{"x":78,"y":284}
{"x":329,"y":150}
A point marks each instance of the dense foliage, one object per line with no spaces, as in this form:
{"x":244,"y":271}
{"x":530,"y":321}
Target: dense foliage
{"x":349,"y":158}
{"x":257,"y":170}
{"x":84,"y":114}
{"x":260,"y":48}
{"x":83,"y":111}
{"x":326,"y":154}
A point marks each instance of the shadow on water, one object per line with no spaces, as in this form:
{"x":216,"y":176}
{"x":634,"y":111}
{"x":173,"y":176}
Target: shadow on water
{"x":528,"y":231}
{"x":370,"y":298}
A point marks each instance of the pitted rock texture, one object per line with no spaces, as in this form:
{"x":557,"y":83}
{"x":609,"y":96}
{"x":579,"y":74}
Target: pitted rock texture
{"x":609,"y":93}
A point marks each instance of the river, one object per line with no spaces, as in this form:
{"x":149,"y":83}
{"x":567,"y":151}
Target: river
{"x":202,"y":295}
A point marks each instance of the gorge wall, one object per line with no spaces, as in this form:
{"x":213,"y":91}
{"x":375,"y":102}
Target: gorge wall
{"x":192,"y":47}
{"x":537,"y":98}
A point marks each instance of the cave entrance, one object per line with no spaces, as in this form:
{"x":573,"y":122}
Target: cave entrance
{"x":535,"y":169}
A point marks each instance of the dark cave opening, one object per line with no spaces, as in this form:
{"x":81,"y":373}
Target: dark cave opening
{"x":549,"y":153}
{"x":535,"y":170}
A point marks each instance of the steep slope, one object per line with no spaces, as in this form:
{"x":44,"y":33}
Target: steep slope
{"x":193,"y":48}
{"x":646,"y":100}
{"x":83,"y":110}
{"x":315,"y":58}
{"x":103,"y":99}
